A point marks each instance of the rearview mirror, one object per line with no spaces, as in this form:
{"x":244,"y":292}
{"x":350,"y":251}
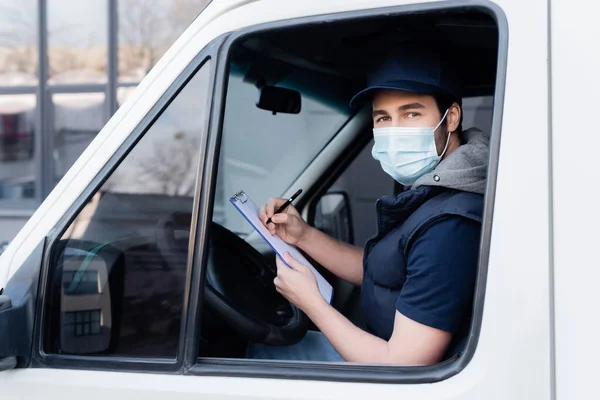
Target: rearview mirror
{"x":279,"y":100}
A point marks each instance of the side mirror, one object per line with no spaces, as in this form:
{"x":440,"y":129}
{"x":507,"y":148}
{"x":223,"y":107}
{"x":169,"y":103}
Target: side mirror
{"x":279,"y":100}
{"x":86,"y":297}
{"x":18,"y":302}
{"x":333,"y":217}
{"x":86,"y":312}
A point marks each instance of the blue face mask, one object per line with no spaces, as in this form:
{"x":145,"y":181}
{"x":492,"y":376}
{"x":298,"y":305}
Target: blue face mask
{"x":406,"y":154}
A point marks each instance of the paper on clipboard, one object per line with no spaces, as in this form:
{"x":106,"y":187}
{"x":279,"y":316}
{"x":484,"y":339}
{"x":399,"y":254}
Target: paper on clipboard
{"x":250,"y":211}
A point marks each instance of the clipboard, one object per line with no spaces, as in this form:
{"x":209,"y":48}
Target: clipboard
{"x":250,"y":212}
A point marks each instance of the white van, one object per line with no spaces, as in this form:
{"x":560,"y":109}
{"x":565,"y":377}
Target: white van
{"x":136,"y":278}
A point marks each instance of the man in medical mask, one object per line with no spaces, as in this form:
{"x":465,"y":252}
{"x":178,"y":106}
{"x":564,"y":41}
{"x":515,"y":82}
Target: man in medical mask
{"x":418,"y":272}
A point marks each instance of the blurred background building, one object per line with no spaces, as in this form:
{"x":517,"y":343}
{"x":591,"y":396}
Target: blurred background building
{"x":65,"y":68}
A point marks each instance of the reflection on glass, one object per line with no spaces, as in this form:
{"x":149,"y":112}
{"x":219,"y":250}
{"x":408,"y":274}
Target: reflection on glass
{"x":17,"y":117}
{"x":165,"y":162}
{"x":18,"y":42}
{"x":147,"y":29}
{"x":119,"y":262}
{"x":77,"y":41}
{"x":78,"y":117}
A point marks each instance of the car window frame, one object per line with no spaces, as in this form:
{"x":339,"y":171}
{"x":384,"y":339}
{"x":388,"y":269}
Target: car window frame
{"x":328,"y":371}
{"x":42,"y":359}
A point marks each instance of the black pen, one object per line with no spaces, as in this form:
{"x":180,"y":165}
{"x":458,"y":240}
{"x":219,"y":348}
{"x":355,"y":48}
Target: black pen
{"x":287,"y":203}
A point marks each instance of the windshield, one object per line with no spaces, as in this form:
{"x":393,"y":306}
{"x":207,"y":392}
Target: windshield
{"x":263,"y":152}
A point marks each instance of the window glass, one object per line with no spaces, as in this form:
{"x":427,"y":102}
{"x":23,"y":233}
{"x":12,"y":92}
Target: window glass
{"x":147,"y":28}
{"x":118,"y":273}
{"x":263,"y":152}
{"x":17,"y":147}
{"x":18,"y":42}
{"x":77,"y":41}
{"x":78,"y":117}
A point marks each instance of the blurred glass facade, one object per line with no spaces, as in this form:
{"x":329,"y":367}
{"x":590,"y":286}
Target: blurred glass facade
{"x":65,"y":67}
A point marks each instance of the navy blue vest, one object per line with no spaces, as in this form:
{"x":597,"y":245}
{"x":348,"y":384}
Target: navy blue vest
{"x":399,"y":219}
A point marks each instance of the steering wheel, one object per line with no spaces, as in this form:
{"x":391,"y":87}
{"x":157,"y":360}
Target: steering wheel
{"x":239,"y":283}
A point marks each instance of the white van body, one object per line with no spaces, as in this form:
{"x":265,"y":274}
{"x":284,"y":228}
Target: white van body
{"x":539,"y":326}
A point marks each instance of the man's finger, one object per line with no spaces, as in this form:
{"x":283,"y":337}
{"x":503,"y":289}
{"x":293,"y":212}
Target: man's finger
{"x":295,"y":264}
{"x":280,"y":265}
{"x":282,"y":269}
{"x":277,"y":219}
{"x":280,"y":218}
{"x":262,"y":214}
{"x":271,"y":206}
{"x":277,"y":282}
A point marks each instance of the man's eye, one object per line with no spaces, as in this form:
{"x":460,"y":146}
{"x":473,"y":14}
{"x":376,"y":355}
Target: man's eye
{"x":412,"y":115}
{"x":382,"y":119}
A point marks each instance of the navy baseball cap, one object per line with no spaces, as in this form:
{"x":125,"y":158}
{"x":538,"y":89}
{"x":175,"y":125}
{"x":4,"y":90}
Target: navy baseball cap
{"x":413,"y":69}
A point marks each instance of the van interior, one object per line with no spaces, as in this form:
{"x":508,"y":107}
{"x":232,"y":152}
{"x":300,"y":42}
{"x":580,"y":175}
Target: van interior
{"x":327,"y":62}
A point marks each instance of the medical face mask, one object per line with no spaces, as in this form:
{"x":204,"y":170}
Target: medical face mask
{"x":406,"y":154}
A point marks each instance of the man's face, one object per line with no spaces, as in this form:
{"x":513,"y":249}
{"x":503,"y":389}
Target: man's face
{"x":397,"y":108}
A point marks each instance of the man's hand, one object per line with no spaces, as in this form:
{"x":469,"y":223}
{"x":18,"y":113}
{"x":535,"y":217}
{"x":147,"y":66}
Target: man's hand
{"x":287,"y":225}
{"x":297,"y":284}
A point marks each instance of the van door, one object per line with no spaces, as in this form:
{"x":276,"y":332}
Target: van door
{"x":106,"y":287}
{"x":513,"y":292}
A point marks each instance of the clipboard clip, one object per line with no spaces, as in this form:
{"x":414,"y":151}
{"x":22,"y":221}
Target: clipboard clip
{"x":241,"y":196}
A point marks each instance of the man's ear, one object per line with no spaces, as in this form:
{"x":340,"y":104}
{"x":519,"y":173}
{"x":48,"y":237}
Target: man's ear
{"x":453,"y":117}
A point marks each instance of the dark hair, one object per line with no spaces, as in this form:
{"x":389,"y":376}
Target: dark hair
{"x":444,"y":101}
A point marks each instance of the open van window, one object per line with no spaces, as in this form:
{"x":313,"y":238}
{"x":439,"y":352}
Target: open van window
{"x":327,"y":145}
